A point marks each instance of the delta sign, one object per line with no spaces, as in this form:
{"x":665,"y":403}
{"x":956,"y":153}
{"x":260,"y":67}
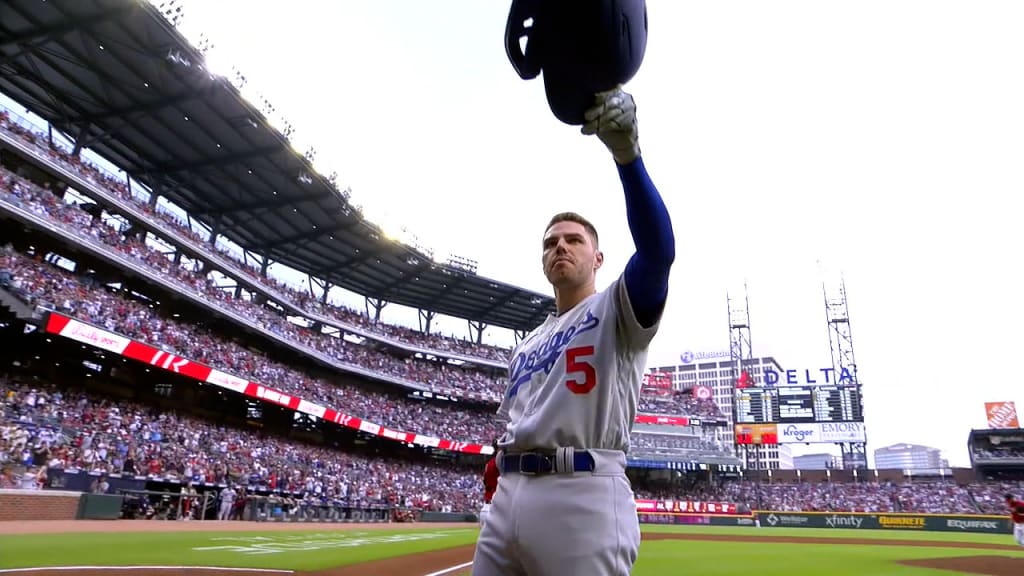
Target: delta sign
{"x":821,"y":376}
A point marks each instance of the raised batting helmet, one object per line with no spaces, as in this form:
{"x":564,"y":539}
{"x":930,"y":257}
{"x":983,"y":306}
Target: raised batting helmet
{"x":582,"y":46}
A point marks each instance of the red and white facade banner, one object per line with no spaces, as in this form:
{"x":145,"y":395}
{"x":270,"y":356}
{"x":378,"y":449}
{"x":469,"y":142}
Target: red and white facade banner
{"x":111,"y":342}
{"x":663,"y":420}
{"x":684,"y":507}
{"x":85,"y":333}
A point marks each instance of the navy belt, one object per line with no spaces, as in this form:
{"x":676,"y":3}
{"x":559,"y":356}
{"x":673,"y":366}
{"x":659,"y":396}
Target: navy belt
{"x":534,"y":464}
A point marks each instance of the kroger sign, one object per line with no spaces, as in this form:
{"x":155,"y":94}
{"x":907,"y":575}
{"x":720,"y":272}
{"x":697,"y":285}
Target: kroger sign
{"x":822,"y":433}
{"x":825,"y":376}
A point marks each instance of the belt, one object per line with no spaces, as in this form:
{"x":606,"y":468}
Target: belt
{"x":536,"y":464}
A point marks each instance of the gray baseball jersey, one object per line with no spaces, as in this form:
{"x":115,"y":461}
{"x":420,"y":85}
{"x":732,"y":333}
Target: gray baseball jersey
{"x":574,"y":381}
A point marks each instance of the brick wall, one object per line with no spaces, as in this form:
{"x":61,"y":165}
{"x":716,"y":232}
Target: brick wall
{"x":38,"y":505}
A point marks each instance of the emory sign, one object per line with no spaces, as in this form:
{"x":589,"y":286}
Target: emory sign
{"x":827,"y":376}
{"x":822,"y":433}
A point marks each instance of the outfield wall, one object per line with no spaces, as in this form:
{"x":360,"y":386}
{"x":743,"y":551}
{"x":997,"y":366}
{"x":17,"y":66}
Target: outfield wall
{"x":886,"y":521}
{"x":975,"y":523}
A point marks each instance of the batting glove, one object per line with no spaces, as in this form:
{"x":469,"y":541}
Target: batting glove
{"x":613,"y":119}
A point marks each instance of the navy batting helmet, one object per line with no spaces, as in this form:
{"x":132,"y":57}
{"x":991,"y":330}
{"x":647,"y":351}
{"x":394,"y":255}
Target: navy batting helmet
{"x":582,"y":46}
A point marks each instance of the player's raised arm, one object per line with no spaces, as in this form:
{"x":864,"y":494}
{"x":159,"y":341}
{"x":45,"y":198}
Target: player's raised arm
{"x":613,"y":119}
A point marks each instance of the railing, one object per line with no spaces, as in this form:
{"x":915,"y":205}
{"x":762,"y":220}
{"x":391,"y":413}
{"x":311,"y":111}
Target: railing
{"x":15,"y":208}
{"x":203,"y":251}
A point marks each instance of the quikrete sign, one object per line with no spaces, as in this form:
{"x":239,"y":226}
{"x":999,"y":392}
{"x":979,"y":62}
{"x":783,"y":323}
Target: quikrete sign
{"x":902,"y":522}
{"x":808,"y":376}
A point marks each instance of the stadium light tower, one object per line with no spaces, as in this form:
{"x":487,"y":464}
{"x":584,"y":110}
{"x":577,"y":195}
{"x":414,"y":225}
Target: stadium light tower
{"x":741,"y":355}
{"x":840,"y":337}
{"x":740,"y":350}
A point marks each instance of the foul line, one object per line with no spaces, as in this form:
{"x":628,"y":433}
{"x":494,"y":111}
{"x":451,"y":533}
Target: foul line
{"x":208,"y":568}
{"x":452,"y":569}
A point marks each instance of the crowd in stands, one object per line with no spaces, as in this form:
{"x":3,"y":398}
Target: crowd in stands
{"x":672,"y":444}
{"x":934,"y":497}
{"x":445,"y":379}
{"x":173,"y":225}
{"x":439,"y":377}
{"x":1001,"y":453}
{"x":46,"y":428}
{"x":40,"y":283}
{"x":682,"y":404}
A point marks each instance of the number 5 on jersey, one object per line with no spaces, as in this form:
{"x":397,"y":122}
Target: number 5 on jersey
{"x":576,"y":363}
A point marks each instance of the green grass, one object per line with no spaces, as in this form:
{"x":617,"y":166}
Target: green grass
{"x":323,"y":548}
{"x":313,"y":550}
{"x":666,"y":557}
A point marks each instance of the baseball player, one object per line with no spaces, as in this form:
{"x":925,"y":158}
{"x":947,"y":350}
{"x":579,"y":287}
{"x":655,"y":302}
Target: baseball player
{"x":564,"y":505}
{"x":490,"y":483}
{"x":1017,"y":517}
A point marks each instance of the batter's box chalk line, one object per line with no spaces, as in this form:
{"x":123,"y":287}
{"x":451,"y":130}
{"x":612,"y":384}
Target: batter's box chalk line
{"x":450,"y":569}
{"x":128,"y":568}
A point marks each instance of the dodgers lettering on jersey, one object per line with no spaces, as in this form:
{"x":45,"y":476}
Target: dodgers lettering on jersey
{"x":575,"y":380}
{"x":543,"y":356}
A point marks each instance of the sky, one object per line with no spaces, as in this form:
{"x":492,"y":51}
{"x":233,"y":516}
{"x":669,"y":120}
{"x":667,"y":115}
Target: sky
{"x":793,"y":142}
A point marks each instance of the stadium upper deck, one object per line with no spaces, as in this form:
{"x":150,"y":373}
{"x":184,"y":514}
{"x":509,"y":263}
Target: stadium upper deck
{"x":106,"y":256}
{"x":115,"y":77}
{"x":271,"y":187}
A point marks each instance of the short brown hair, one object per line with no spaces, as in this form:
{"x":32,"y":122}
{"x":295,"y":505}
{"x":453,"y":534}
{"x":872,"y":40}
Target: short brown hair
{"x":574,"y":217}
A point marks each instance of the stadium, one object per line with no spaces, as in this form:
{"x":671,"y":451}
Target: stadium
{"x":169,"y":407}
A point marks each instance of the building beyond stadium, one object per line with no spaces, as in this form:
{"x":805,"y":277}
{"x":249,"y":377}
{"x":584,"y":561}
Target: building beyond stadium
{"x":719,"y":376}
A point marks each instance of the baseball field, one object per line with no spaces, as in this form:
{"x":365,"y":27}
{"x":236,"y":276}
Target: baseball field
{"x":246,"y":548}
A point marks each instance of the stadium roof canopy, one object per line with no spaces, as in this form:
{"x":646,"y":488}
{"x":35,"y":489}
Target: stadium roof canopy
{"x":115,"y":76}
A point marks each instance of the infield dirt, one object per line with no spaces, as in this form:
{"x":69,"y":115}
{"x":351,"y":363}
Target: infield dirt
{"x":429,"y":562}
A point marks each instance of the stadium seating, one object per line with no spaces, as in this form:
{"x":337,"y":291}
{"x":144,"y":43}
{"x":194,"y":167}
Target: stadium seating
{"x":44,"y":426}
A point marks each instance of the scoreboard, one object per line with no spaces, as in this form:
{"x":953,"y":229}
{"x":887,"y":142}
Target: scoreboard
{"x":798,"y":404}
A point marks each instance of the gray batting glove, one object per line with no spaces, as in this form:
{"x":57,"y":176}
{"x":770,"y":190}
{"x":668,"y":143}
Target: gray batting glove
{"x":613,"y":119}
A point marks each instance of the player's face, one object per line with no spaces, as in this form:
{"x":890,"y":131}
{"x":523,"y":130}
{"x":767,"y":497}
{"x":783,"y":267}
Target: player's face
{"x":570,"y":257}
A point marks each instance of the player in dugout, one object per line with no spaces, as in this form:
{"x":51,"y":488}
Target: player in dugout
{"x":490,"y":482}
{"x":1017,"y":517}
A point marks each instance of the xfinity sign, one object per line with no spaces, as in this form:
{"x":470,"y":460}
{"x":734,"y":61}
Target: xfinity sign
{"x":835,"y":521}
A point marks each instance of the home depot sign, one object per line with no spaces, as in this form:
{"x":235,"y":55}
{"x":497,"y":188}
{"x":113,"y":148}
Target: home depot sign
{"x":1001,"y":415}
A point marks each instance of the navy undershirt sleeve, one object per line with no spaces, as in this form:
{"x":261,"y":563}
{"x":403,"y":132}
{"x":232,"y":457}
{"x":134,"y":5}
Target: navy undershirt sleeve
{"x":647,"y":271}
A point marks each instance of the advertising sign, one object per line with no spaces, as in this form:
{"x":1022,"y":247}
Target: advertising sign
{"x":689,"y":357}
{"x":766,"y":434}
{"x":657,"y":384}
{"x":822,"y":433}
{"x":810,"y":377}
{"x":842,"y":432}
{"x":799,"y":434}
{"x":890,"y":521}
{"x":1002,"y":415}
{"x":702,"y":393}
{"x":686,"y":506}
